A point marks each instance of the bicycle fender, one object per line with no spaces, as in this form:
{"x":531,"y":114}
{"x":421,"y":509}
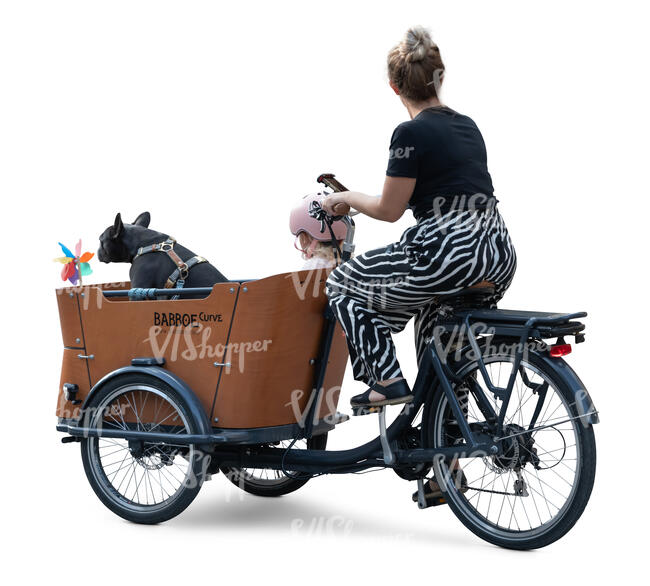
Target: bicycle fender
{"x":174,"y":381}
{"x":584,"y":404}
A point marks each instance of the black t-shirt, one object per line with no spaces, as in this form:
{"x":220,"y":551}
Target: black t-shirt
{"x":445,"y":152}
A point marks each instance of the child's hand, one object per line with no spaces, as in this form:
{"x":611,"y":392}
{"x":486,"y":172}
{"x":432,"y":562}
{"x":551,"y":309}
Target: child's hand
{"x":335,"y":204}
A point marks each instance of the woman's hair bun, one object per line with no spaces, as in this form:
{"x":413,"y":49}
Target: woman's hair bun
{"x":415,"y":66}
{"x":416,"y":44}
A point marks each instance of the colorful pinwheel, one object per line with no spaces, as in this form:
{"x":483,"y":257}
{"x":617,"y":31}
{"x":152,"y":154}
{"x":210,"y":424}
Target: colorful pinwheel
{"x":75,"y":265}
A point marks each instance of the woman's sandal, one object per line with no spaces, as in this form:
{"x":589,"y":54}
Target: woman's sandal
{"x":432,"y":492}
{"x":394,"y":394}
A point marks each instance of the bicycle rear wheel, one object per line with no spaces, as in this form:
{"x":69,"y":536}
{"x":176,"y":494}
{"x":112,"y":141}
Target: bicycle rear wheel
{"x":532,"y":494}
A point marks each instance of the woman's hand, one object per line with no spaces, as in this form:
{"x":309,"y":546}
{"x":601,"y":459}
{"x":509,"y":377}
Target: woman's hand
{"x":335,"y":204}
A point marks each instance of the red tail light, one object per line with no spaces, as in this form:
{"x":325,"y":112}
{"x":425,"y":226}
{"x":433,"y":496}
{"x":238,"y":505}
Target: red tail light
{"x":560,"y":350}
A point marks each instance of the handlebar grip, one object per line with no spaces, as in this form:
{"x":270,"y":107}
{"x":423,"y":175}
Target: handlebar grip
{"x":341,"y":209}
{"x":330,"y":181}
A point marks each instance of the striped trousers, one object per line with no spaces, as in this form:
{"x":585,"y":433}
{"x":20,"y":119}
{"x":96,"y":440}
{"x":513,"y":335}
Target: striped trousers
{"x":375,"y":294}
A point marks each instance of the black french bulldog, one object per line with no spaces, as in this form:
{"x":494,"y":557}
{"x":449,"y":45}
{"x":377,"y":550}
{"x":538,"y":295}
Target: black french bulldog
{"x":120,"y":243}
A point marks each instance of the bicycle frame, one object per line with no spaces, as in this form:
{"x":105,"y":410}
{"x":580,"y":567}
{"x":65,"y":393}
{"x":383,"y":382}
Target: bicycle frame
{"x":434,"y":370}
{"x":369,"y":455}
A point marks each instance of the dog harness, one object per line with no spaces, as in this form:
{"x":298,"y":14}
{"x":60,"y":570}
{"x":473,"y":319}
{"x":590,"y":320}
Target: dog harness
{"x":177,"y":278}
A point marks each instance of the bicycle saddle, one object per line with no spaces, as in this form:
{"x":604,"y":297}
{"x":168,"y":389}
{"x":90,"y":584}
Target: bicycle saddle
{"x":474,"y":296}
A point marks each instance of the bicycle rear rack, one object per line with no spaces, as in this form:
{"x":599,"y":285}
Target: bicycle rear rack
{"x":519,"y":325}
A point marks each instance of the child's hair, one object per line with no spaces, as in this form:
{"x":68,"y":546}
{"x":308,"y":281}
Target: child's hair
{"x":415,"y":66}
{"x":319,"y":249}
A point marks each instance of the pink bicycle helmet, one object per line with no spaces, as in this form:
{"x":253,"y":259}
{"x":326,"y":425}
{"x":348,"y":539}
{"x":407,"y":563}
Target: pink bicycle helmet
{"x":301,"y":221}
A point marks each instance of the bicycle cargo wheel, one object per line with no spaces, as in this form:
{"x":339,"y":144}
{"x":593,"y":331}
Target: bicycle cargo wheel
{"x":142,"y":481}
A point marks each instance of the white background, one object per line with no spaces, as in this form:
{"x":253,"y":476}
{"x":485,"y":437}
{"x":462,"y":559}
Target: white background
{"x":217,"y":117}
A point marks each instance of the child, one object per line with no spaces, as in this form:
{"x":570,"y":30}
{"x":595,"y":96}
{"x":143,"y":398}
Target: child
{"x":316,"y":246}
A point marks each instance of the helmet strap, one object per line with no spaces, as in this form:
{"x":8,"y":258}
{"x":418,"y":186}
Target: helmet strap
{"x":335,"y":244}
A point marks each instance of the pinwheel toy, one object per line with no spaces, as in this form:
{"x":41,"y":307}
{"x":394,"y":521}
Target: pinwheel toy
{"x":75,"y":265}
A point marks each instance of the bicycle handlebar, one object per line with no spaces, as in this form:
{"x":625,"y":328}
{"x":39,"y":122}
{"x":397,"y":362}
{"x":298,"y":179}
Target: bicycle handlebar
{"x":329,"y":180}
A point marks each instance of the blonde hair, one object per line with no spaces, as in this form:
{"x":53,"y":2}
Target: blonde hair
{"x":323,"y":250}
{"x":415,"y":66}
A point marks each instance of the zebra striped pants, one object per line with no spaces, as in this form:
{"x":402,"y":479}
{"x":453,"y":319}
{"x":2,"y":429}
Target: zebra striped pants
{"x":375,"y":294}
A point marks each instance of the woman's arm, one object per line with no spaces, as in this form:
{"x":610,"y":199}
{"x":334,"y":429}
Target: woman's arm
{"x":388,"y":207}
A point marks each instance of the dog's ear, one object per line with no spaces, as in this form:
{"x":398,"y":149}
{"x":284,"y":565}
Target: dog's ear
{"x":143,"y":220}
{"x":118,"y":226}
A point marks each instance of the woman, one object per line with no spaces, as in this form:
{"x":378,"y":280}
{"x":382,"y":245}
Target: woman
{"x":438,"y":168}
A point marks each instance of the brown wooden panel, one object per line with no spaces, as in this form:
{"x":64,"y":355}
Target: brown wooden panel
{"x":338,"y":360}
{"x":73,"y":370}
{"x":189,"y":333}
{"x":276,"y":332}
{"x":71,"y":332}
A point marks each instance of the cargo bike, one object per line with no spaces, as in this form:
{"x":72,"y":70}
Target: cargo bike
{"x":163,"y":388}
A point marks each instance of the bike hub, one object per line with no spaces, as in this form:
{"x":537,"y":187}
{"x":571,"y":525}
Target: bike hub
{"x":517,"y":449}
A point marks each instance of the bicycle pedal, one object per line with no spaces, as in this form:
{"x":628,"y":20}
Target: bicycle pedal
{"x":365,"y":410}
{"x":424,"y":502}
{"x":432,"y":502}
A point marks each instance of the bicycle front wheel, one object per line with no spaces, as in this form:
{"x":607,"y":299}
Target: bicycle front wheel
{"x":142,"y":481}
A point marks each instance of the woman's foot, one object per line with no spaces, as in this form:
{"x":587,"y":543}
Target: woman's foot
{"x":392,"y":392}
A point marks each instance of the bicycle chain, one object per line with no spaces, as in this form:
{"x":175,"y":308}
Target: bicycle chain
{"x":492,"y":491}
